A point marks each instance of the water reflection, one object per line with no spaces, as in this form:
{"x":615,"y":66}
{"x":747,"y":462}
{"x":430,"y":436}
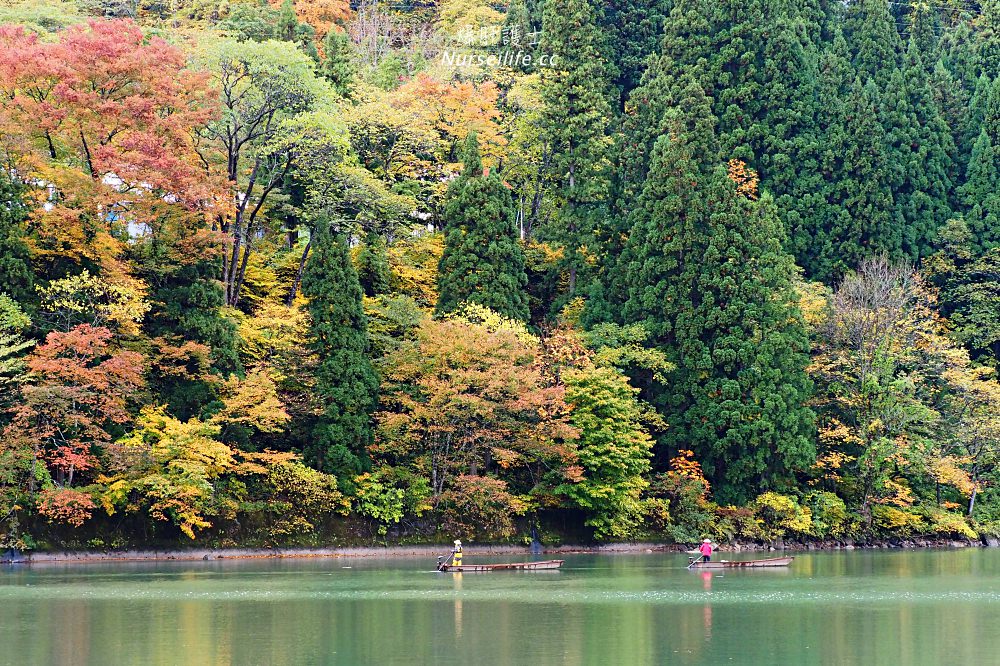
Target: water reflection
{"x":706,"y":580}
{"x":862,"y":607}
{"x":457,"y":578}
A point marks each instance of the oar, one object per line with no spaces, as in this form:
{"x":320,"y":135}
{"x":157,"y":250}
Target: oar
{"x":694,"y":561}
{"x":444,"y":560}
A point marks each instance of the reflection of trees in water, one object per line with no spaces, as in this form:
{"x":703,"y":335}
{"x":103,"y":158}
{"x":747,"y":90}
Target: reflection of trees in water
{"x":706,"y":583}
{"x":457,"y":577}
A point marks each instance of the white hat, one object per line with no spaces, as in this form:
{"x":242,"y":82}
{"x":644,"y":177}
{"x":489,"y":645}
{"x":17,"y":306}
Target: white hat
{"x":708,"y":541}
{"x":458,"y":542}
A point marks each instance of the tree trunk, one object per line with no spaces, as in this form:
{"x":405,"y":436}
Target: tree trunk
{"x":298,"y":274}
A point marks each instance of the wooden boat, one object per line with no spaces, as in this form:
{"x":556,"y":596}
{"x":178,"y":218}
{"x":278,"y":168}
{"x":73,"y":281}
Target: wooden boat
{"x":744,"y":564}
{"x":520,"y":566}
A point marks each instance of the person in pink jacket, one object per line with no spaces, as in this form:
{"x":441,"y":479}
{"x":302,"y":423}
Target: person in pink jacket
{"x":706,"y":550}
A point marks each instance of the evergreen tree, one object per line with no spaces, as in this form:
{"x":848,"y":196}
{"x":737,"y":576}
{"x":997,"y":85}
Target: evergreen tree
{"x":482,"y":261}
{"x":187,"y":306}
{"x":668,"y":224}
{"x":373,"y":266}
{"x":16,"y":277}
{"x":870,"y":30}
{"x":919,"y":152}
{"x":979,"y":194}
{"x":516,"y":29}
{"x":781,"y":127}
{"x":991,"y":114}
{"x":346,"y":383}
{"x":575,"y":117}
{"x":987,"y":44}
{"x":862,"y":187}
{"x":338,"y":64}
{"x":952,"y":102}
{"x":924,"y":25}
{"x":813,"y":239}
{"x":712,"y":282}
{"x":634,"y":29}
{"x":287,"y":23}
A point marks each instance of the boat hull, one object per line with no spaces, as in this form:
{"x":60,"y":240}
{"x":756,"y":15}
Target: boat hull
{"x":746,"y":564}
{"x":518,"y":566}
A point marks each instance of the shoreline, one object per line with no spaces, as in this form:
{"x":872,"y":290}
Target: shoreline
{"x":333,"y":552}
{"x":432,"y":551}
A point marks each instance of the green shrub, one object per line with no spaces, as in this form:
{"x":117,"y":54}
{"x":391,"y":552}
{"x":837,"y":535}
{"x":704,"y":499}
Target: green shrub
{"x":829,"y":514}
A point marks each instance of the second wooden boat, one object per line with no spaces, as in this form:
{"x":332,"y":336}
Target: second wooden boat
{"x":744,"y":564}
{"x":524,"y":566}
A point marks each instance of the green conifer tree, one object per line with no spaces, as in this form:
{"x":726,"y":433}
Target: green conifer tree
{"x":575,"y":117}
{"x":711,"y":280}
{"x":634,"y":29}
{"x":952,"y":102}
{"x":924,"y":26}
{"x":288,"y":22}
{"x":862,"y":186}
{"x":517,"y":31}
{"x":814,"y":239}
{"x":482,"y":262}
{"x":16,"y":277}
{"x":919,"y":152}
{"x":338,"y":65}
{"x":187,"y":306}
{"x":346,"y":383}
{"x":871,"y":33}
{"x":980,"y":195}
{"x":987,"y":43}
{"x":373,"y":266}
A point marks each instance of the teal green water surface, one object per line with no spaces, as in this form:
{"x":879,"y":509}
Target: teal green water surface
{"x":860,"y":607}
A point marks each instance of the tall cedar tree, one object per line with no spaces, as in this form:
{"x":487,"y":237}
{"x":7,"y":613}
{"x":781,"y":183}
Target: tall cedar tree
{"x":346,"y":383}
{"x":576,"y":114}
{"x":338,"y":62}
{"x":517,"y":30}
{"x":814,"y":237}
{"x":759,"y":60}
{"x":16,"y":278}
{"x":482,"y":261}
{"x":919,"y":152}
{"x":871,"y":33}
{"x":952,"y":102}
{"x":710,"y":279}
{"x":979,"y":194}
{"x":187,"y":306}
{"x":987,"y":46}
{"x":862,"y":188}
{"x":373,"y":266}
{"x":634,"y":28}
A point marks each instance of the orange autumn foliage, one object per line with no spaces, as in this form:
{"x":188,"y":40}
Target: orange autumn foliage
{"x":454,"y":110}
{"x":82,"y":386}
{"x":322,"y":15}
{"x":464,"y":399}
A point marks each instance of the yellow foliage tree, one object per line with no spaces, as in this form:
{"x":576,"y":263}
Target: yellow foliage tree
{"x":167,"y":467}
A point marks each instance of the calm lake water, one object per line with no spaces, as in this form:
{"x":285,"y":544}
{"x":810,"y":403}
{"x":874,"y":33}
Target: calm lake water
{"x":861,"y":607}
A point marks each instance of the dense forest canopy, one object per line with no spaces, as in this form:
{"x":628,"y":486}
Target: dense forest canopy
{"x":317,"y":271}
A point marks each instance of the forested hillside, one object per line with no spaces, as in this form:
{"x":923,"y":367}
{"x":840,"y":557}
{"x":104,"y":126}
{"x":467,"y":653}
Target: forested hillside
{"x":324,"y":272}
